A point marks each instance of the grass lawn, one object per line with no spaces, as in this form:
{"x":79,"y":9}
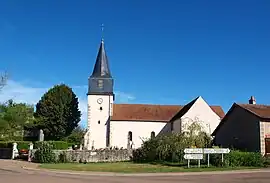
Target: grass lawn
{"x":129,"y":167}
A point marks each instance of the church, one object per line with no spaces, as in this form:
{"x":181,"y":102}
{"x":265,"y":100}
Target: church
{"x":128,"y":125}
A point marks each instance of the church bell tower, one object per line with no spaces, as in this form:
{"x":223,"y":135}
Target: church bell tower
{"x":100,"y":99}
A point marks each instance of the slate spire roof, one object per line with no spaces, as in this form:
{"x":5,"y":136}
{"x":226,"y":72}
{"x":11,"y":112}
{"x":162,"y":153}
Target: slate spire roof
{"x":101,"y":68}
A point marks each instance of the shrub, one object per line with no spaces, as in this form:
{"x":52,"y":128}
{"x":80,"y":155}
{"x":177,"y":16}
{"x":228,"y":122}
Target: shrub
{"x":168,"y":147}
{"x":57,"y":145}
{"x":44,"y":153}
{"x":20,"y":144}
{"x":23,"y":144}
{"x":5,"y":144}
{"x":76,"y":136}
{"x":237,"y":158}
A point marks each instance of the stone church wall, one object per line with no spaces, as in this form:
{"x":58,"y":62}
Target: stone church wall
{"x":105,"y":155}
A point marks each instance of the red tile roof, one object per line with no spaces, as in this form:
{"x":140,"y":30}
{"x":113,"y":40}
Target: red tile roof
{"x":263,"y":111}
{"x":148,"y":112}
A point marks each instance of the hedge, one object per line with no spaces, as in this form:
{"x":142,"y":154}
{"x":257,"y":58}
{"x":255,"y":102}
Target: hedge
{"x":20,"y":144}
{"x":59,"y":145}
{"x":238,"y":158}
{"x":44,"y":153}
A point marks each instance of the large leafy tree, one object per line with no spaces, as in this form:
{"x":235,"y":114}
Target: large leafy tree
{"x":13,"y":117}
{"x":57,"y":113}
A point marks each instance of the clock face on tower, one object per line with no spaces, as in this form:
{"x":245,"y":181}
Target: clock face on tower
{"x":99,"y":101}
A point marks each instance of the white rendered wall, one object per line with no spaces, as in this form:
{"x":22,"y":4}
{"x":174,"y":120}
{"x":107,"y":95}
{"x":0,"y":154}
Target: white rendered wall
{"x":202,"y":111}
{"x":97,"y":132}
{"x":140,"y":131}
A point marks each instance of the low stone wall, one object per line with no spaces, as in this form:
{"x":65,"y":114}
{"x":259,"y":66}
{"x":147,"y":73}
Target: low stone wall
{"x":105,"y":155}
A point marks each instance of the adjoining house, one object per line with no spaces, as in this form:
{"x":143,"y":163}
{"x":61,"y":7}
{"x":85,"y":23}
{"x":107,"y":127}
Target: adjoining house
{"x":245,"y":127}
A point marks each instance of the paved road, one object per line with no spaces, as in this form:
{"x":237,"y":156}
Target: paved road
{"x":15,"y":174}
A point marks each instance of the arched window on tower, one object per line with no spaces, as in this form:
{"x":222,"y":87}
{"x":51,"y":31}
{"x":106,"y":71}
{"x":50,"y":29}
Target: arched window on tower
{"x":130,"y":136}
{"x":153,"y":134}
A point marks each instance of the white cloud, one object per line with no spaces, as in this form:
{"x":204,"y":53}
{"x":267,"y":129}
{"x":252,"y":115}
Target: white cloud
{"x":25,"y":93}
{"x":123,"y":97}
{"x":20,"y":93}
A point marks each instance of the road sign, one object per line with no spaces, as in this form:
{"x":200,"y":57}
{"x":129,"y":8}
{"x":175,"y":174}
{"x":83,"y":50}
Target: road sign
{"x":193,"y":156}
{"x":216,"y":151}
{"x":193,"y":151}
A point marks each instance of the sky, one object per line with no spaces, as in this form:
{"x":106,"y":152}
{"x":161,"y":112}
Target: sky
{"x":160,"y":52}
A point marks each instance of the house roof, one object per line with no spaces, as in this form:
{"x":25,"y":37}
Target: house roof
{"x":261,"y":111}
{"x":148,"y":112}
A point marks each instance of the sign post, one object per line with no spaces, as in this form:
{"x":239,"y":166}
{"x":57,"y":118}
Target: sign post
{"x":208,"y":160}
{"x":194,"y":157}
{"x":197,"y":154}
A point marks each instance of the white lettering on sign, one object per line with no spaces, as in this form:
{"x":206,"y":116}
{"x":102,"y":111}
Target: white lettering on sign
{"x":193,"y":156}
{"x":216,"y":151}
{"x":193,"y":151}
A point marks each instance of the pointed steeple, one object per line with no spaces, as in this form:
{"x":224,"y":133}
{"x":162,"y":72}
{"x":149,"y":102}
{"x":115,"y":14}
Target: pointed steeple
{"x":102,"y":69}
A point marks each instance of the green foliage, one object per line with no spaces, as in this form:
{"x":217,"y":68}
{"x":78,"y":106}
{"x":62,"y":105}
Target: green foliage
{"x":45,"y":154}
{"x":13,"y":117}
{"x":171,"y":147}
{"x":57,"y":145}
{"x":20,"y":144}
{"x":238,"y":158}
{"x":76,"y":136}
{"x":23,"y":144}
{"x":5,"y":144}
{"x":57,"y":112}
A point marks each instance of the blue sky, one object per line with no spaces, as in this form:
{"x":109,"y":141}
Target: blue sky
{"x":160,"y":52}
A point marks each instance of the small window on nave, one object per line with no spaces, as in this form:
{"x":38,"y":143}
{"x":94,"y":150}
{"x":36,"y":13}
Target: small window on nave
{"x":153,"y":134}
{"x":130,"y":136}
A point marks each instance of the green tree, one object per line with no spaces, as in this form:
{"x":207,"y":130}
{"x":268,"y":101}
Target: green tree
{"x":76,"y":136}
{"x":57,"y":112}
{"x":170,"y":147}
{"x":13,"y":117}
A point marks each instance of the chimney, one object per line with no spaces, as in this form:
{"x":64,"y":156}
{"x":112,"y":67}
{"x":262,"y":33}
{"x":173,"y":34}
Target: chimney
{"x":252,"y":100}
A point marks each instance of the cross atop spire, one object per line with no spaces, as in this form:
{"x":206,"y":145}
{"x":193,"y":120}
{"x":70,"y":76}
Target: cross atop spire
{"x":102,"y":32}
{"x":101,"y":68}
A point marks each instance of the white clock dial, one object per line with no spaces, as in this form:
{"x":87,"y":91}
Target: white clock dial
{"x":100,"y":100}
